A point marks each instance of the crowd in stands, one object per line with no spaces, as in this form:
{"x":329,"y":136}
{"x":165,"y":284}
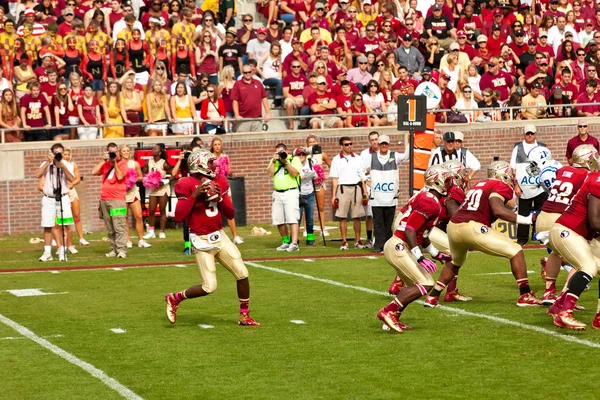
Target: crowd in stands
{"x":185,"y":68}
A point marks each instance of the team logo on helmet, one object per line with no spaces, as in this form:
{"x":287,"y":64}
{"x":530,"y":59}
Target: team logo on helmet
{"x":202,"y":161}
{"x":399,"y":247}
{"x":484,"y":229}
{"x":438,"y":178}
{"x":564,"y":234}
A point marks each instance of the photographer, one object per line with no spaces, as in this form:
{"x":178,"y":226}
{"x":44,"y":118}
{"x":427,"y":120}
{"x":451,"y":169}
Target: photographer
{"x":56,"y":205}
{"x":307,"y":191}
{"x":284,"y":168}
{"x":113,"y":209}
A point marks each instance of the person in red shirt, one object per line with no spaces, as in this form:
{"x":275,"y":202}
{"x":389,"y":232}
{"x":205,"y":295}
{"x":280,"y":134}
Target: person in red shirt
{"x":448,"y":99}
{"x":406,"y":84}
{"x":545,"y":48}
{"x":583,"y":137}
{"x":497,"y":79}
{"x":35,"y":113}
{"x":404,"y":250}
{"x":344,"y":98}
{"x":65,"y":28}
{"x":500,"y":22}
{"x":387,"y":16}
{"x":293,"y":86}
{"x":568,"y":88}
{"x":336,"y":88}
{"x":88,"y":108}
{"x":519,"y":46}
{"x":470,"y":23}
{"x":465,"y":47}
{"x":340,"y":49}
{"x":471,"y":229}
{"x":322,"y":103}
{"x":572,"y":237}
{"x":495,"y":40}
{"x":113,"y":209}
{"x":586,"y":97}
{"x":203,"y":200}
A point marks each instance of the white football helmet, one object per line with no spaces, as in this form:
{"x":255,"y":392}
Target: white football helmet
{"x":438,"y":178}
{"x":537,"y":158}
{"x":501,"y":171}
{"x":587,"y":156}
{"x":202,"y":162}
{"x":460,"y":173}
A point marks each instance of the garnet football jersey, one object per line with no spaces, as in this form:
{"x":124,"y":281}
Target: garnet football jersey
{"x":457,"y":194}
{"x":476,"y":206}
{"x":575,"y":215}
{"x":201,"y":216}
{"x":567,"y":183}
{"x":426,"y":204}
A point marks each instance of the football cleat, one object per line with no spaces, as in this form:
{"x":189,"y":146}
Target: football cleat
{"x":396,"y":286}
{"x":172,"y":305}
{"x":432,"y":301}
{"x":390,"y":319}
{"x":549,"y":297}
{"x":456,"y":296}
{"x":553,"y":310}
{"x":543,"y":261}
{"x":565,"y":319}
{"x":246,"y":320}
{"x":596,"y":321}
{"x":528,"y":300}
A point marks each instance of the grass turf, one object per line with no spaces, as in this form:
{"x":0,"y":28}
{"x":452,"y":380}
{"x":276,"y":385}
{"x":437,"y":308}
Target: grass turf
{"x":340,"y":351}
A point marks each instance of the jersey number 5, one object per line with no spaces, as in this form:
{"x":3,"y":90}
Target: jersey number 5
{"x":561,"y":192}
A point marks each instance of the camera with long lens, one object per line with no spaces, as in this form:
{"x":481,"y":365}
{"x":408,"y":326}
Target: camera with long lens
{"x":112,"y":155}
{"x":314,"y":149}
{"x":58,"y":156}
{"x":282,"y":155}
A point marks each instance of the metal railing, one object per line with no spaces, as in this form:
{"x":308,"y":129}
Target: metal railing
{"x":227,"y":121}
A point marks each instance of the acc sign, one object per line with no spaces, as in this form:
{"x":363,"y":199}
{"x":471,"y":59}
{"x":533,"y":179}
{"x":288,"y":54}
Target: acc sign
{"x":385,"y":187}
{"x":431,"y":91}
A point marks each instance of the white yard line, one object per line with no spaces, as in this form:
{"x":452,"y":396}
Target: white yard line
{"x":502,"y":273}
{"x":505,"y":321}
{"x":87,"y":367}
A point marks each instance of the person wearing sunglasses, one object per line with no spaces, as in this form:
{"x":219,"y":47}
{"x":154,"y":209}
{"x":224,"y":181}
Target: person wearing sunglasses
{"x":155,"y":11}
{"x":583,"y":137}
{"x":440,"y":26}
{"x":249,"y":99}
{"x":359,"y":75}
{"x":323,"y":106}
{"x":368,"y":43}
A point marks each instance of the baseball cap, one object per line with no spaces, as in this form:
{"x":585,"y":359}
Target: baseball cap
{"x":519,"y":33}
{"x":543,"y":34}
{"x":299,"y":151}
{"x":459,"y":136}
{"x":426,"y":71}
{"x":366,"y":1}
{"x":232,"y":31}
{"x":556,"y":88}
{"x":321,"y":79}
{"x":544,"y":61}
{"x":436,"y":7}
{"x":407,"y":37}
{"x":29,"y":12}
{"x":449,"y":137}
{"x":589,"y":22}
{"x":273,"y":21}
{"x":497,"y":12}
{"x":319,"y":5}
{"x":496,"y":27}
{"x":262,"y":30}
{"x":68,"y":11}
{"x":553,"y":1}
{"x":362,"y":59}
{"x":568,"y":33}
{"x":481,"y":38}
{"x":454,"y":46}
{"x":383,"y":139}
{"x":461,"y":34}
{"x":342,"y":72}
{"x":536,"y":85}
{"x":593,"y":42}
{"x":529,"y":128}
{"x":532,"y":42}
{"x":154,"y":20}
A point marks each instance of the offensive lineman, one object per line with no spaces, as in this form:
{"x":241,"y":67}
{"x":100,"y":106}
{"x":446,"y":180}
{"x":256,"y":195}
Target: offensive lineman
{"x":207,"y":236}
{"x":403,"y":250}
{"x":572,"y":237}
{"x":470,"y":228}
{"x":562,"y":186}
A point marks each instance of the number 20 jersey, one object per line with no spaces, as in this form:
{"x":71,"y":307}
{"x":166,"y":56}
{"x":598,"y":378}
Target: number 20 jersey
{"x":575,"y":215}
{"x":567,"y":183}
{"x":476,"y":206}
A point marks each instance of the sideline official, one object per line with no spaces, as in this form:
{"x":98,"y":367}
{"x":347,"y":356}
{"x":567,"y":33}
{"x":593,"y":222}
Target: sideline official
{"x":383,"y":166}
{"x":284,"y":168}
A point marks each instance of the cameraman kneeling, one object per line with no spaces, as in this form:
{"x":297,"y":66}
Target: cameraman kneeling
{"x":284,"y":168}
{"x":56,"y":205}
{"x":113,"y":209}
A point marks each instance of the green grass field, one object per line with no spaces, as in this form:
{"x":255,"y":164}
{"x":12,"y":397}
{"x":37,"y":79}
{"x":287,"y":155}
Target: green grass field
{"x":492,"y":349}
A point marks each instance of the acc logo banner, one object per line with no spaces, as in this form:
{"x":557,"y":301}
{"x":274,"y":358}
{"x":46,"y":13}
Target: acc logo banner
{"x":399,"y":247}
{"x":529,"y":180}
{"x":386,"y":187}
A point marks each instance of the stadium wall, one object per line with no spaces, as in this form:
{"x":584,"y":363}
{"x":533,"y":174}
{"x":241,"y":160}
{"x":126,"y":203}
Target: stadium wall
{"x":249,"y":154}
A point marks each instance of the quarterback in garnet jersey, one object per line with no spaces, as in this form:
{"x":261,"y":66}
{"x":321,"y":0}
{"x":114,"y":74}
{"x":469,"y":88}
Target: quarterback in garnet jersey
{"x":572,"y":237}
{"x":403,"y":250}
{"x":204,"y":218}
{"x":470,"y":229}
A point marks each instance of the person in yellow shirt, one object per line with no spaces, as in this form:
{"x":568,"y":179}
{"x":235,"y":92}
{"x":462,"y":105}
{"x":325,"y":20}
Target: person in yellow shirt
{"x":368,"y":14}
{"x":156,"y":34}
{"x":104,"y":41}
{"x":56,"y":41}
{"x":305,"y":36}
{"x":125,"y":33}
{"x":7,"y":39}
{"x":185,"y":29}
{"x":78,"y":33}
{"x":33,"y":44}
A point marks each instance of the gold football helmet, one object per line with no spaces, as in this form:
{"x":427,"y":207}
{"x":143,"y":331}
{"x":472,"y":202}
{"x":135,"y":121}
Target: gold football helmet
{"x":501,"y":171}
{"x":587,"y":156}
{"x":460,"y":173}
{"x":438,"y":178}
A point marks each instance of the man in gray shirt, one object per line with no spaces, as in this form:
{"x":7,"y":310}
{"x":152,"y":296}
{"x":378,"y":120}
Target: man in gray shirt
{"x":409,"y":56}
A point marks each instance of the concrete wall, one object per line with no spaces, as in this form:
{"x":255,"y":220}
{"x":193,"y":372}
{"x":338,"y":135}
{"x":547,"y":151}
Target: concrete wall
{"x":249,"y":155}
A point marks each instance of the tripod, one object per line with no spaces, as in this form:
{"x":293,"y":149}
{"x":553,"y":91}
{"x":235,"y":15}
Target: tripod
{"x":58,"y":196}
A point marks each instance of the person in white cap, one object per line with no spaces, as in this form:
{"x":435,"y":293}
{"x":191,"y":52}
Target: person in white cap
{"x":531,"y":195}
{"x":37,"y":29}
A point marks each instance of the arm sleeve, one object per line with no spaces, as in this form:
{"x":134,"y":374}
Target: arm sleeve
{"x":415,"y":221}
{"x":473,"y":162}
{"x":333,"y":171}
{"x":185,"y":203}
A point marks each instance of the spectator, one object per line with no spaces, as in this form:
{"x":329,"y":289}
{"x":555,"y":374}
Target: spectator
{"x":88,"y":108}
{"x":307,"y":191}
{"x":392,"y":112}
{"x":349,"y":190}
{"x":35,"y":114}
{"x":357,"y":106}
{"x":583,"y":137}
{"x":285,"y":170}
{"x":409,"y":56}
{"x":230,"y":53}
{"x":405,"y":83}
{"x":112,"y":199}
{"x":559,"y":104}
{"x":440,"y":26}
{"x":111,"y":104}
{"x":556,"y":34}
{"x":158,"y":111}
{"x":9,"y":117}
{"x":462,"y":59}
{"x":587,"y":97}
{"x":213,"y":112}
{"x":466,"y":102}
{"x":297,"y":54}
{"x":453,"y":71}
{"x":322,"y":104}
{"x":434,"y":53}
{"x":489,"y":101}
{"x":131,"y":104}
{"x":206,"y":56}
{"x":293,"y":86}
{"x":269,"y":67}
{"x":375,"y":102}
{"x":258,"y":47}
{"x":531,"y":194}
{"x":497,"y":80}
{"x":182,"y":111}
{"x":245,"y":105}
{"x":448,"y":99}
{"x":534,"y":99}
{"x":359,"y":75}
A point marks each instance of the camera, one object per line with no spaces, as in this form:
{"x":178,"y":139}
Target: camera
{"x":314,"y":149}
{"x":282,"y":155}
{"x":112,"y":155}
{"x":58,"y":156}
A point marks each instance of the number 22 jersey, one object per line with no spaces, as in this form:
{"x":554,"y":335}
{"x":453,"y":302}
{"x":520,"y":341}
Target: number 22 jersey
{"x":565,"y":186}
{"x":476,"y":206}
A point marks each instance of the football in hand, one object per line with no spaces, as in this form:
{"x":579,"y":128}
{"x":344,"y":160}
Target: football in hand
{"x":212,"y":190}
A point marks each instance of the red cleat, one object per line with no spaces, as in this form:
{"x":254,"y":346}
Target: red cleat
{"x":432,"y":301}
{"x":528,"y":300}
{"x":456,"y":296}
{"x":550,"y":297}
{"x":596,"y":321}
{"x":543,"y":261}
{"x":246,"y":320}
{"x":390,"y":319}
{"x":172,"y":305}
{"x":396,"y":286}
{"x":565,"y":319}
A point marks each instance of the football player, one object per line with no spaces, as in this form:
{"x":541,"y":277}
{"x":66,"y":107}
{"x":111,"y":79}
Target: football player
{"x":572,"y":237}
{"x":566,"y":181}
{"x":470,"y":229}
{"x":202,"y":201}
{"x":403,"y":250}
{"x":439,"y":238}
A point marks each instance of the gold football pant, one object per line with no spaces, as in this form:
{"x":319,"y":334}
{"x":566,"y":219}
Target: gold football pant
{"x":439,"y":238}
{"x":399,"y":256}
{"x":582,"y":254}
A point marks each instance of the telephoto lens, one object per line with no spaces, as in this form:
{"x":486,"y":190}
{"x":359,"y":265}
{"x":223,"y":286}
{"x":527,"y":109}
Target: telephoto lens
{"x":282,"y":155}
{"x":112,"y":155}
